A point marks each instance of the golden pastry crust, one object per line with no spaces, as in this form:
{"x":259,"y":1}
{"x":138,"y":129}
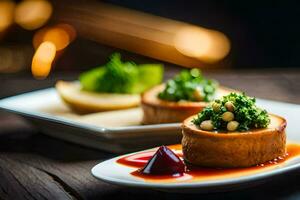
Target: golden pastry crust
{"x":158,"y":111}
{"x":234,"y":149}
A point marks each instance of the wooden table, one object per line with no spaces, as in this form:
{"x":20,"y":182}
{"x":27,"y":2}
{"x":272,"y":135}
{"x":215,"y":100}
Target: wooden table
{"x":36,"y":166}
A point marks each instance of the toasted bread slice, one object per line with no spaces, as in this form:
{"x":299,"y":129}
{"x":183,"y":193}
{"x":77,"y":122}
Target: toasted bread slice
{"x":160,"y":111}
{"x":233,"y":149}
{"x":88,"y":102}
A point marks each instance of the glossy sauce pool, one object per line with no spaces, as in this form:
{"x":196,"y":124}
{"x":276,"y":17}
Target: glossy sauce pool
{"x":192,"y":173}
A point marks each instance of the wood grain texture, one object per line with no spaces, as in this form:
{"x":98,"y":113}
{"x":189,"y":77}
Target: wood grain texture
{"x":36,"y":166}
{"x":19,"y":180}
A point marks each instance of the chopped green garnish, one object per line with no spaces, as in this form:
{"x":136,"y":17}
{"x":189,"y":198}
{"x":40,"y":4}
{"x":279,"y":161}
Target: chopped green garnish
{"x":190,"y":86}
{"x":121,"y":77}
{"x":233,"y":112}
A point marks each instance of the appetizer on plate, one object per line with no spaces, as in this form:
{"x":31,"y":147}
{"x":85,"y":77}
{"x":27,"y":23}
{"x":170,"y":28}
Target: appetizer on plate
{"x":184,"y":95}
{"x":233,"y":132}
{"x":231,"y":142}
{"x":116,"y":85}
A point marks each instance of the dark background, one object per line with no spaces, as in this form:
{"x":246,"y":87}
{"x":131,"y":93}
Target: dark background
{"x":262,"y":33}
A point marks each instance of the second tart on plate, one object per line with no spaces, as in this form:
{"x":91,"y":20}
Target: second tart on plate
{"x":180,"y":97}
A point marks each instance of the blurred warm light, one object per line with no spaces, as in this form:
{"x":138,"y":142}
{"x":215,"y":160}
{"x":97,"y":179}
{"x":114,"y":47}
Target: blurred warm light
{"x":38,"y":37}
{"x":60,"y":35}
{"x":49,"y":42}
{"x":32,"y":14}
{"x":203,"y":44}
{"x":68,"y":29}
{"x":157,"y":37}
{"x":42,"y":60}
{"x":6,"y":14}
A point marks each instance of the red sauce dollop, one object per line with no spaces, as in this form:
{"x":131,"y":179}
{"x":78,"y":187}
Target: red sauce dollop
{"x":165,"y":164}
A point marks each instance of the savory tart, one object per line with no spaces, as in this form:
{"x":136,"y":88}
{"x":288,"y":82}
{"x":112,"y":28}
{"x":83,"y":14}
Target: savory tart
{"x":184,"y":95}
{"x":233,"y":132}
{"x":116,"y":85}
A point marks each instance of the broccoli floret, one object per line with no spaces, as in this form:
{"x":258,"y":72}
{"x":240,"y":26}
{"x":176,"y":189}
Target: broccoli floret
{"x":121,"y":77}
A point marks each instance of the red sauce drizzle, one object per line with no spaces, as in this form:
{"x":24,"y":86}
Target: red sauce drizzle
{"x":140,"y":159}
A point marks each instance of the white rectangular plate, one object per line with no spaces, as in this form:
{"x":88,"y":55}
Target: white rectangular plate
{"x":114,"y":131}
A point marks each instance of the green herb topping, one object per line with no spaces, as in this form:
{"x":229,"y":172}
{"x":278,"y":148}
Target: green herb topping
{"x":190,"y":86}
{"x":234,"y":112}
{"x":121,"y":77}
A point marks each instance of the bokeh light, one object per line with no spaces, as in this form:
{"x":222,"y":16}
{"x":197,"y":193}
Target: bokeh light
{"x":206,"y":45}
{"x":42,"y":60}
{"x":60,"y":35}
{"x":38,"y":37}
{"x":68,"y":29}
{"x":156,"y":37}
{"x":32,"y":14}
{"x":6,"y":14}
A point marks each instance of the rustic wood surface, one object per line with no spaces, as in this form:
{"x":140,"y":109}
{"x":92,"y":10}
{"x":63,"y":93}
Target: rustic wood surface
{"x":36,"y":166}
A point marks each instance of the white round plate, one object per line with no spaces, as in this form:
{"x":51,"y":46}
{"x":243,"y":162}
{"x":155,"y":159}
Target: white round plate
{"x":112,"y":172}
